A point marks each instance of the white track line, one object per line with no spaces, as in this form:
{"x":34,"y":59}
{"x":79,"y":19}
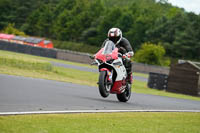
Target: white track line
{"x":91,"y":111}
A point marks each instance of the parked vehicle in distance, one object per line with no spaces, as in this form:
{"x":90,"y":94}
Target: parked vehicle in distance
{"x":6,"y":37}
{"x":33,"y":41}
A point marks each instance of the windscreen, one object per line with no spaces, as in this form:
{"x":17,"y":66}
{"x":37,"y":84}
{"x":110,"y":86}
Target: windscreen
{"x":108,"y":48}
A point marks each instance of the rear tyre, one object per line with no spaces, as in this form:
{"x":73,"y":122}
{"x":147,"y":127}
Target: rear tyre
{"x":104,"y":87}
{"x":125,"y":96}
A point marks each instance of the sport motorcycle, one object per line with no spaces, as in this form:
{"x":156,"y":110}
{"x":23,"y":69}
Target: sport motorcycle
{"x":112,"y":72}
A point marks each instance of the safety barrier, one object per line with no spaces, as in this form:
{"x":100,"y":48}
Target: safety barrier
{"x":27,"y":49}
{"x":72,"y":56}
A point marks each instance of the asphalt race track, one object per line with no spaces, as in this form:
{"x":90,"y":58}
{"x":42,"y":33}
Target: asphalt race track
{"x":18,"y":94}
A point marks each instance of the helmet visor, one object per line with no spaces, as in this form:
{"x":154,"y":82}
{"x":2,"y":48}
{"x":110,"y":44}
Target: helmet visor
{"x":114,"y":39}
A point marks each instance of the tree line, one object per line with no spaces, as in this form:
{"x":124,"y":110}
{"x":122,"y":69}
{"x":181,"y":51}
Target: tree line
{"x":88,"y":21}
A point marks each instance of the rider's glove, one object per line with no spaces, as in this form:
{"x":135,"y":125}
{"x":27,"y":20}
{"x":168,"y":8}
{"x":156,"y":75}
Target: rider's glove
{"x":126,"y":56}
{"x":129,"y":54}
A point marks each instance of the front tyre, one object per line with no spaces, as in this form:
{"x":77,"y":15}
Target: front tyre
{"x":125,"y":96}
{"x":104,"y":87}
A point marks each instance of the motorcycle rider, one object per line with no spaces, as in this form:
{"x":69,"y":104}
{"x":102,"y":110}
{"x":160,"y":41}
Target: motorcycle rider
{"x":124,"y":46}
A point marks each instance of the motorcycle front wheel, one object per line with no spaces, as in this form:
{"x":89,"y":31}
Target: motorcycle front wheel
{"x":104,"y":87}
{"x":125,"y":96}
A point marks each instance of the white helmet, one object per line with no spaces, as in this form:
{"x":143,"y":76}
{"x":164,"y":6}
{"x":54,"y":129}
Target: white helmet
{"x":115,"y":35}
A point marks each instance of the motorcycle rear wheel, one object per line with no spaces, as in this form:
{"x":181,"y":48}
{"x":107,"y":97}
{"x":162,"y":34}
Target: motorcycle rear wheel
{"x":104,"y":87}
{"x":125,"y":96}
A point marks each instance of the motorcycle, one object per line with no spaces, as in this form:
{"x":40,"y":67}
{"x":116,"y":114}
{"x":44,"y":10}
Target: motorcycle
{"x":113,"y":74}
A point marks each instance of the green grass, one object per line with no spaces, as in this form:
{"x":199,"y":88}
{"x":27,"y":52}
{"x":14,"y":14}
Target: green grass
{"x":141,"y":87}
{"x":38,"y":67}
{"x":30,"y":64}
{"x":141,"y":74}
{"x":31,"y":57}
{"x":44,"y":59}
{"x":24,"y":65}
{"x":102,"y":123}
{"x":58,"y":73}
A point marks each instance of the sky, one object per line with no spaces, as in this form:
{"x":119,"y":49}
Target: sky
{"x":188,"y":5}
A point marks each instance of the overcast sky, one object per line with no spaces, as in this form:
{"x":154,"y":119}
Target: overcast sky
{"x":188,"y":5}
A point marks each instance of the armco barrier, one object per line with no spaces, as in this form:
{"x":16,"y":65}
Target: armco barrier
{"x":144,"y":68}
{"x":51,"y":53}
{"x":73,"y":56}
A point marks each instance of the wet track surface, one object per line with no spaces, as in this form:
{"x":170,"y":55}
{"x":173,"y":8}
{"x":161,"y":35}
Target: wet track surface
{"x":29,"y":94}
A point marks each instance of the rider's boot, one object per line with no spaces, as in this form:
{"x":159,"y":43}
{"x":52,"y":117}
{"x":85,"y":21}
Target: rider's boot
{"x":128,"y":66}
{"x":129,"y":78}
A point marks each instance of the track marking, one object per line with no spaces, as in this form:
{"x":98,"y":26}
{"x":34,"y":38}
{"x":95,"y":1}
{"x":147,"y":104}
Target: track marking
{"x":91,"y":111}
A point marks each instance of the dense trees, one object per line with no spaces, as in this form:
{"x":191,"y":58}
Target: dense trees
{"x":11,"y":30}
{"x":179,"y":35}
{"x":87,"y":21}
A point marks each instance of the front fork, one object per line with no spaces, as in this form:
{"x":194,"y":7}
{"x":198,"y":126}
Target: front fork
{"x":109,"y":74}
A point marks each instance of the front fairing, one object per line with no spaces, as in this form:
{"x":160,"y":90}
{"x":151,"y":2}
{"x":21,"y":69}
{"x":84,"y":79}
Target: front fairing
{"x":107,"y":53}
{"x":108,"y":60}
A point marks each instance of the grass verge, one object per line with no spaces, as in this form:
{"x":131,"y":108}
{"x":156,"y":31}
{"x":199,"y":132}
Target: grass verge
{"x":44,"y":59}
{"x":29,"y":64}
{"x":102,"y":123}
{"x":31,"y":57}
{"x":24,"y":65}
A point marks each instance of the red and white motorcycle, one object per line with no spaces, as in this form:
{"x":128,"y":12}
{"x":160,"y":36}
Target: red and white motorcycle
{"x":113,"y":74}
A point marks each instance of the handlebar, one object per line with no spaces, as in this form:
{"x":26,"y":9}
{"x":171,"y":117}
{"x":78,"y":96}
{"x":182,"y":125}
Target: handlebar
{"x":91,"y":57}
{"x":124,"y":56}
{"x":93,"y":63}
